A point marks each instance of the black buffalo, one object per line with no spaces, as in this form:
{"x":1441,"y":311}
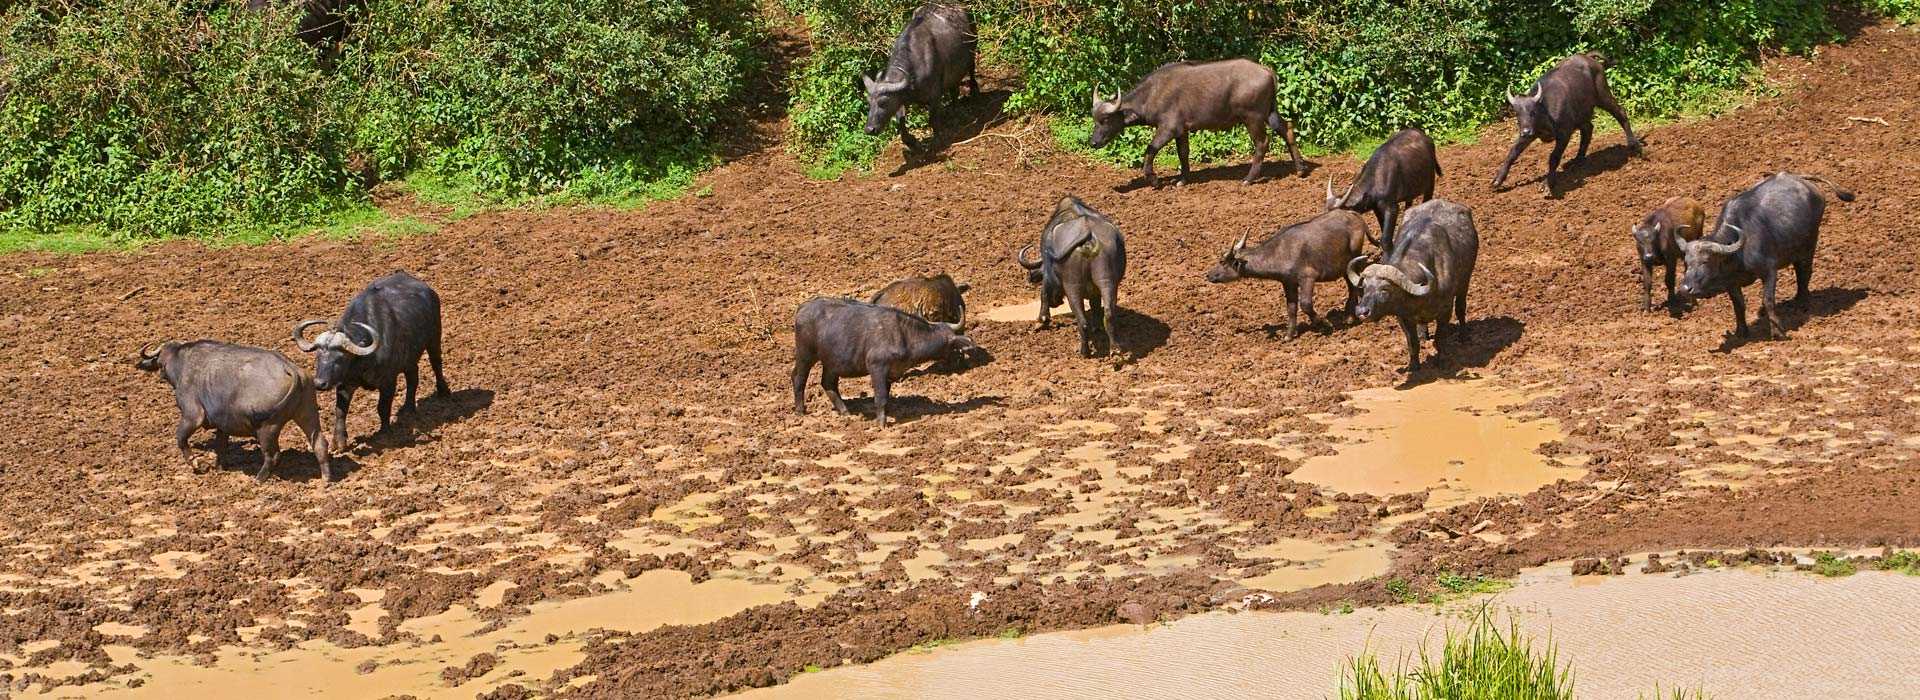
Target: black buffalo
{"x":1082,"y":256}
{"x":380,"y":337}
{"x":1179,"y":98}
{"x":1768,"y":227}
{"x":849,"y":338}
{"x":1298,"y":256}
{"x":1424,"y":277}
{"x":1561,"y":103}
{"x":1400,"y":170}
{"x":930,"y":58}
{"x":238,"y":391}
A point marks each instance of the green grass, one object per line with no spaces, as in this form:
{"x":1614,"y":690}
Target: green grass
{"x":1831,"y":565}
{"x":1483,"y":661}
{"x":67,"y":240}
{"x":1905,"y":561}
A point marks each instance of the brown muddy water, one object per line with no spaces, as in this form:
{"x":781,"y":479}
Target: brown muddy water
{"x":1447,"y":437}
{"x":1732,"y":633}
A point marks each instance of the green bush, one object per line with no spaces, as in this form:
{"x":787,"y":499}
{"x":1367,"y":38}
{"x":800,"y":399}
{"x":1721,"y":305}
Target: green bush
{"x":1349,"y":71}
{"x":155,"y":118}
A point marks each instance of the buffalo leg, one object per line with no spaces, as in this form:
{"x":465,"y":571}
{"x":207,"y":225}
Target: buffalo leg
{"x":1802,"y":274}
{"x":269,"y":438}
{"x":1646,"y":286}
{"x":189,"y":422}
{"x":1180,"y":145}
{"x":1460,"y":308}
{"x":440,"y":387}
{"x":1739,"y":300}
{"x":973,"y":80}
{"x":1257,"y":131}
{"x":1603,"y":98}
{"x":1553,"y":165}
{"x":1412,"y":331}
{"x":906,"y":137}
{"x":1586,"y":133}
{"x":1388,"y":213}
{"x":1097,"y":318}
{"x":1160,"y":139}
{"x":1513,"y":154}
{"x":830,"y":384}
{"x":342,"y":398}
{"x":1109,"y":294}
{"x":1075,"y":305}
{"x":1672,"y":269}
{"x":1293,"y":308}
{"x":1293,"y":149}
{"x":387,"y":390}
{"x":882,"y":390}
{"x":1769,"y":314}
{"x":309,"y":422}
{"x":802,"y":366}
{"x":413,"y":382}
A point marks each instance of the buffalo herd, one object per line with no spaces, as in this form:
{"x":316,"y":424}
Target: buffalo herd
{"x":1419,"y":273}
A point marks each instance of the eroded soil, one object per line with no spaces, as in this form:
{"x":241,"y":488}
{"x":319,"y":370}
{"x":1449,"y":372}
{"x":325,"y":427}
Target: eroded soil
{"x":621,"y":429}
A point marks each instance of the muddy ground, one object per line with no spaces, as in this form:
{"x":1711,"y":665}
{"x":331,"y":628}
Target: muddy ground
{"x":621,"y":423}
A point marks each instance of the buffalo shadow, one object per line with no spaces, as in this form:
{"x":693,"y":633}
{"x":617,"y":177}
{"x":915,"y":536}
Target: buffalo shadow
{"x":971,"y":359}
{"x":1574,"y":173}
{"x":962,"y":119}
{"x":1474,"y":348}
{"x":414,"y":428}
{"x":1794,"y":313}
{"x":1138,"y":335}
{"x":1272,"y":170}
{"x":903,"y":409}
{"x":297,"y":463}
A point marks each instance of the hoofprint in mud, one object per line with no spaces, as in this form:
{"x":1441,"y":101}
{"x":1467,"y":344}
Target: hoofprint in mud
{"x":592,"y":453}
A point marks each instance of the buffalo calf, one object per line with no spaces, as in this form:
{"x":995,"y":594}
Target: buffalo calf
{"x":1297,"y":257}
{"x":1658,"y":237}
{"x":849,"y":338}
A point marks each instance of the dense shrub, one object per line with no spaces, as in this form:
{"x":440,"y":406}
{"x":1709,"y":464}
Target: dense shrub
{"x":169,"y":117}
{"x":1349,"y":70}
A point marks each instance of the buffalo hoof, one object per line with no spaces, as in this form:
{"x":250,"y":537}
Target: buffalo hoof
{"x":442,"y":392}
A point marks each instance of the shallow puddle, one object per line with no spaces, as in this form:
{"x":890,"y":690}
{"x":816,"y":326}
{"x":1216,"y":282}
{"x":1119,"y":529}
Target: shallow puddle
{"x":1447,"y":436}
{"x":1732,"y":633}
{"x":1307,"y":564}
{"x":1020,"y":313}
{"x":318,"y":669}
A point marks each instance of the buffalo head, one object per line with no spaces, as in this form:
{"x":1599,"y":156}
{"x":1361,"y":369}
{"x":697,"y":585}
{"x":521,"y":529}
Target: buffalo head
{"x":1709,"y":265}
{"x":1109,"y":119}
{"x":333,"y":350}
{"x":1383,"y":288}
{"x":884,"y":98}
{"x":1528,"y":111}
{"x":1232,"y":265}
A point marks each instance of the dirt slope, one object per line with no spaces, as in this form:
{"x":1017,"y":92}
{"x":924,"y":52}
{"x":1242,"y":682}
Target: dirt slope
{"x":608,"y":365}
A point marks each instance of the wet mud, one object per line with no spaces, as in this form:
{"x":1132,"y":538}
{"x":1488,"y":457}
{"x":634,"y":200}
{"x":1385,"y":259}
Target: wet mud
{"x":621,"y":420}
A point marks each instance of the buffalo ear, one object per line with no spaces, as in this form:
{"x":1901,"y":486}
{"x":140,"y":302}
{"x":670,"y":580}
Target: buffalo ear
{"x":868,"y":83}
{"x":962,"y":287}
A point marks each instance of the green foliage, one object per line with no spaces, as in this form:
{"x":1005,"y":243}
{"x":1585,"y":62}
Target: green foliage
{"x":1348,"y":71}
{"x":1833,"y":566}
{"x":1904,"y":561}
{"x":151,"y":118}
{"x":1482,"y":662}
